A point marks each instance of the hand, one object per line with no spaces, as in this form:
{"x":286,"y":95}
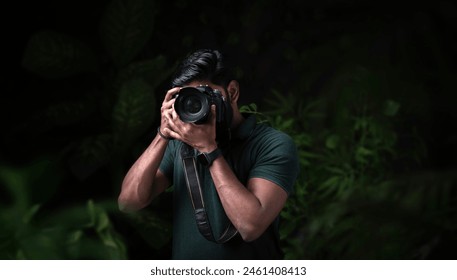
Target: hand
{"x":199,"y":136}
{"x":166,"y":112}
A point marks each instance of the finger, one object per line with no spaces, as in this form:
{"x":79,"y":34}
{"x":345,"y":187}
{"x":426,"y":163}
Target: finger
{"x":164,"y":111}
{"x":168,"y":104}
{"x":170,"y":93}
{"x":169,"y":115}
{"x":171,"y":133}
{"x":172,"y":123}
{"x":176,"y":118}
{"x":178,"y":132}
{"x":173,"y":114}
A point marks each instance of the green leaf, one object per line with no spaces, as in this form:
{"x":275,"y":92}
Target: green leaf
{"x":30,"y":213}
{"x":251,"y":108}
{"x":330,"y":185}
{"x":126,"y":27}
{"x":134,"y":111}
{"x":103,"y":222}
{"x":92,"y":213}
{"x":25,"y":184}
{"x":391,"y":108}
{"x":332,"y":141}
{"x":55,"y":55}
{"x":287,"y":124}
{"x":335,"y":170}
{"x":362,"y":153}
{"x":15,"y":182}
{"x":75,"y":236}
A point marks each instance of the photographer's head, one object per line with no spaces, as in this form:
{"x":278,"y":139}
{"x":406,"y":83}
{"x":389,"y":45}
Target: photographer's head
{"x":208,"y":67}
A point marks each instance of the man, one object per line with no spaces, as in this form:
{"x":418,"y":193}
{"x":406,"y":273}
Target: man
{"x":245,"y":178}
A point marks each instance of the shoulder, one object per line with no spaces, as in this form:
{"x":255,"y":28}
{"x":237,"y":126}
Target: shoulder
{"x":269,"y":138}
{"x":275,"y":157}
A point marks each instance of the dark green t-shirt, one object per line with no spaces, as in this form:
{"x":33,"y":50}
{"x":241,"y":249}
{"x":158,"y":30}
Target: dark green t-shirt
{"x":256,"y":151}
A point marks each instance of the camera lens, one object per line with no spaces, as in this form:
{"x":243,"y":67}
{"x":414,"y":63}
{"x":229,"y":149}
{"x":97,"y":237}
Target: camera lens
{"x":192,"y":105}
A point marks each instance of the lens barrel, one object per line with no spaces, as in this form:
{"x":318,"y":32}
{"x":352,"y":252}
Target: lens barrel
{"x":193,"y":105}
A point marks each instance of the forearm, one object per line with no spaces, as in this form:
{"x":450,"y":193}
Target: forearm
{"x":242,"y":207}
{"x":139,"y":186}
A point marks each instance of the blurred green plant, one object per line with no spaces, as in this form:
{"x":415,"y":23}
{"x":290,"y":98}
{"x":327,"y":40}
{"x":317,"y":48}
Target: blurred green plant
{"x":31,"y":232}
{"x":119,"y":100}
{"x":359,"y":119}
{"x":357,"y":196}
{"x":107,"y":97}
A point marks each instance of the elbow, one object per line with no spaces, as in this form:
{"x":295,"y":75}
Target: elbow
{"x":131,"y":199}
{"x":250,"y":232}
{"x":128,"y":205}
{"x":125,"y":205}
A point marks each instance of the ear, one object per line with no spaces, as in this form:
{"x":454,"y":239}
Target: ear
{"x":233,"y":91}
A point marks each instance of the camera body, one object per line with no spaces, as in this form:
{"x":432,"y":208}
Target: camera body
{"x":193,"y":105}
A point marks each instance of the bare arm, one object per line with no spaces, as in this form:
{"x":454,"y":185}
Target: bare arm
{"x":144,"y":181}
{"x":251,"y":209}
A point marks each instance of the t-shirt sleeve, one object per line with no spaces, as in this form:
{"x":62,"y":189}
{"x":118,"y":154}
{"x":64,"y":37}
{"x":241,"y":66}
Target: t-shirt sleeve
{"x":277,"y":161}
{"x":167,"y":164}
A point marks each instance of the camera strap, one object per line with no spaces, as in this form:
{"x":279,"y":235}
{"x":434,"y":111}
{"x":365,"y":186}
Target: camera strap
{"x":196,"y":196}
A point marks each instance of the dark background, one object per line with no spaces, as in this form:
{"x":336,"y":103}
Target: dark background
{"x":70,"y":128}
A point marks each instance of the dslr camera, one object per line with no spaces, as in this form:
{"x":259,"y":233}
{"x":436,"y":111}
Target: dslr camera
{"x":193,"y":105}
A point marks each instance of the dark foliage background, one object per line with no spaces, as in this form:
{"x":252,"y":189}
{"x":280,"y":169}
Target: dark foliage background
{"x":367,"y":91}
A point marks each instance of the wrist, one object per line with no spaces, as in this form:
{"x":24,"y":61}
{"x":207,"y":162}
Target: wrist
{"x":162,"y":135}
{"x":206,"y":159}
{"x":208,"y":148}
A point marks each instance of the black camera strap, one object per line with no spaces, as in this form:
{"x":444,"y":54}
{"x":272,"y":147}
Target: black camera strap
{"x":196,"y":196}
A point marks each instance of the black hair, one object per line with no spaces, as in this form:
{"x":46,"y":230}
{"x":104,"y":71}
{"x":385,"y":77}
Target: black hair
{"x":203,"y":64}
